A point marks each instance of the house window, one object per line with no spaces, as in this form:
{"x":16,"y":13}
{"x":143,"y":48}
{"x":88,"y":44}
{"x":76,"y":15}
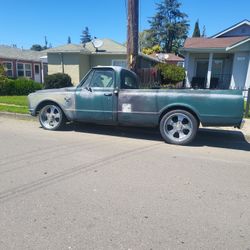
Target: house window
{"x":8,"y":67}
{"x":180,"y":64}
{"x":120,"y":63}
{"x":37,"y":69}
{"x":24,"y":69}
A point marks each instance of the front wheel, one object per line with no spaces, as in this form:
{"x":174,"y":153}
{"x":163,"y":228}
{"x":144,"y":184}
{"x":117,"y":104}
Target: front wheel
{"x":178,"y":127}
{"x":51,"y":117}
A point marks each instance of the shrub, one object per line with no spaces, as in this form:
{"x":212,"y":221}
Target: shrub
{"x":24,"y":86}
{"x":58,"y":80}
{"x":20,"y":86}
{"x":154,"y":49}
{"x":171,"y":73}
{"x":3,"y":76}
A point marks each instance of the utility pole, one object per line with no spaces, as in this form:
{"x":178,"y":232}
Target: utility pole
{"x":132,"y":35}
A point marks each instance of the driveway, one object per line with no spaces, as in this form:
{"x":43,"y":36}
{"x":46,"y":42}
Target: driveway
{"x":96,"y":187}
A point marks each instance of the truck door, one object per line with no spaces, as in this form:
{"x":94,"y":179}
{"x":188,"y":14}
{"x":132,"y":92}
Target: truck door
{"x":95,"y":100}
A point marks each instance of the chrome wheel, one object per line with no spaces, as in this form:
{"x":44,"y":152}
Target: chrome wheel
{"x":51,"y":117}
{"x":178,"y":127}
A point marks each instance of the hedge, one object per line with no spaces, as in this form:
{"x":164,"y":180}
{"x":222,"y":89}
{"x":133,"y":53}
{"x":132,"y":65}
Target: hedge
{"x":58,"y":80}
{"x":171,"y":73}
{"x":20,"y":86}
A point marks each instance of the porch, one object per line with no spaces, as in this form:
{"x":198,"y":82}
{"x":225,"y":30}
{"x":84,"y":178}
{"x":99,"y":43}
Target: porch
{"x":217,"y":70}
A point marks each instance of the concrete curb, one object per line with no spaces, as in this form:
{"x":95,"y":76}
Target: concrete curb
{"x":18,"y":116}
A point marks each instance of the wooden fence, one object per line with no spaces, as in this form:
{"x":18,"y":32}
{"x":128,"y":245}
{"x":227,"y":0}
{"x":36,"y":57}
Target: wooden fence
{"x":149,"y":78}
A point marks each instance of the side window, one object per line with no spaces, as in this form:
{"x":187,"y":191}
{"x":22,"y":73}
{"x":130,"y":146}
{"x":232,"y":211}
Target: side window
{"x":102,"y":79}
{"x":129,"y":80}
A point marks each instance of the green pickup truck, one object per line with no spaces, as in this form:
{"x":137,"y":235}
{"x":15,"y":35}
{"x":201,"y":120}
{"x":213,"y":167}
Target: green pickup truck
{"x":111,"y":95}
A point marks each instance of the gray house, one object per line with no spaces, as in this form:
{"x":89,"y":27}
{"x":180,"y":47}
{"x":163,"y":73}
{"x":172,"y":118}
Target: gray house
{"x":221,"y":61}
{"x":76,"y":60}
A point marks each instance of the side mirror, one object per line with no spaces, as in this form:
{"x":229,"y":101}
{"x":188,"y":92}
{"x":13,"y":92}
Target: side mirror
{"x":89,"y":89}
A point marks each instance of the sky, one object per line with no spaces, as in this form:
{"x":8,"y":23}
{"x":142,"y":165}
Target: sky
{"x":27,"y":22}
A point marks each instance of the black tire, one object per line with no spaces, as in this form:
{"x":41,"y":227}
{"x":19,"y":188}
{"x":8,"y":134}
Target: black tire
{"x":51,"y":117}
{"x":178,"y":127}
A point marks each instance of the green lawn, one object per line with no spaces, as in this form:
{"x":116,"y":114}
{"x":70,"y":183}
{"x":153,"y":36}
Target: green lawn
{"x":20,"y":110}
{"x":14,"y":104}
{"x":17,"y":100}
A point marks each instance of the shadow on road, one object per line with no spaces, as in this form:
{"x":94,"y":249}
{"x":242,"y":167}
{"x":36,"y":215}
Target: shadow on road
{"x":205,"y":137}
{"x":221,"y":139}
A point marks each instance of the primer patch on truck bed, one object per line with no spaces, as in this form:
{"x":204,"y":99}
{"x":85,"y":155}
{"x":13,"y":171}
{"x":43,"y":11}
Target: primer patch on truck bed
{"x":126,"y":108}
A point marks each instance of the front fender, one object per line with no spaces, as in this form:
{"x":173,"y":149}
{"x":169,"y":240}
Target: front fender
{"x":66,"y":101}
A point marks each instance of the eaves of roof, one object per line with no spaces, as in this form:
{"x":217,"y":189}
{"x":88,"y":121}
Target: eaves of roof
{"x":231,"y":28}
{"x":238,"y":44}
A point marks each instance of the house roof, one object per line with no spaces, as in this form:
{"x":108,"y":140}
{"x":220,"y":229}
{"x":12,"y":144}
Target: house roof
{"x":213,"y":43}
{"x":168,"y":57}
{"x":109,"y":46}
{"x":69,"y":48}
{"x":20,"y":54}
{"x":231,"y":28}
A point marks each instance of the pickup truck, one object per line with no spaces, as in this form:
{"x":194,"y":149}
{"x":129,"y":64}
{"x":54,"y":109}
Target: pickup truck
{"x":111,"y":95}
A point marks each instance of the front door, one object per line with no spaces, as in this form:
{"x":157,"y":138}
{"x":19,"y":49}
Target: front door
{"x":201,"y":69}
{"x":95,"y":99}
{"x":37,"y":73}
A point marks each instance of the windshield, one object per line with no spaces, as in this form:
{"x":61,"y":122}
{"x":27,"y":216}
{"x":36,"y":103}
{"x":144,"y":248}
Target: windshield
{"x":86,"y":79}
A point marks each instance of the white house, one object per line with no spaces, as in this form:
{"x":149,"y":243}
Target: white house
{"x":221,"y":61}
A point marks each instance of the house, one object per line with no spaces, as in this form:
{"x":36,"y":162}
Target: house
{"x":170,"y":58}
{"x":77,"y":59}
{"x":23,"y":63}
{"x":221,"y":61}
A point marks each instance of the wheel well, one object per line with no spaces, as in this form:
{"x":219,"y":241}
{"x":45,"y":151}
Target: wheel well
{"x":181,"y":108}
{"x":43,"y":103}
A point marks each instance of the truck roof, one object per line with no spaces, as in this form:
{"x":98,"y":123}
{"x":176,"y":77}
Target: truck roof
{"x":116,"y":68}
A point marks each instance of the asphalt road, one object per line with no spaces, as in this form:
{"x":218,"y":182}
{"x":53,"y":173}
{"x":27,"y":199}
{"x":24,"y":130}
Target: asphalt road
{"x":95,"y":187}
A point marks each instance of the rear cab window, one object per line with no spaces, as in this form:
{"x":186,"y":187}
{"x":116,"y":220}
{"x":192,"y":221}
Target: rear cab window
{"x":129,"y":80}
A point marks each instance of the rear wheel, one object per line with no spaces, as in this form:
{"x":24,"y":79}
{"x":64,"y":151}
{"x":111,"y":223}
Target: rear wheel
{"x":51,"y":117}
{"x":178,"y":127}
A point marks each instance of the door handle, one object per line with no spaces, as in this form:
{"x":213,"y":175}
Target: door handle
{"x":108,"y":94}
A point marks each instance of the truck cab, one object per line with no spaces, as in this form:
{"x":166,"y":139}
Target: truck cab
{"x":97,"y":94}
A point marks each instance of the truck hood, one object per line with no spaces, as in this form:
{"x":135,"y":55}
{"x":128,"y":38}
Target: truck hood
{"x":68,"y":89}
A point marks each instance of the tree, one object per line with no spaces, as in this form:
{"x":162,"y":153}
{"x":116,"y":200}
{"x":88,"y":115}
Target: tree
{"x":197,"y":32}
{"x":36,"y":47}
{"x":45,"y":43}
{"x":85,"y":36}
{"x":146,"y":40}
{"x":69,"y":40}
{"x":169,"y":25}
{"x":204,"y":31}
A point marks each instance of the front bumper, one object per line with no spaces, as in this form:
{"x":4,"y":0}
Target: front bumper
{"x":32,"y":112}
